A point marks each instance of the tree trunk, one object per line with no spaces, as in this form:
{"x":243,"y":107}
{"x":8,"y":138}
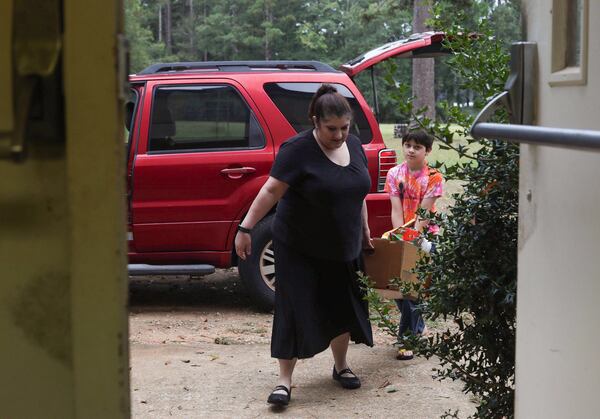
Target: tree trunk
{"x":269,"y":21}
{"x":234,"y":44}
{"x":168,"y":31}
{"x":160,"y":29}
{"x":192,"y":26}
{"x":205,"y":13}
{"x":423,"y":79}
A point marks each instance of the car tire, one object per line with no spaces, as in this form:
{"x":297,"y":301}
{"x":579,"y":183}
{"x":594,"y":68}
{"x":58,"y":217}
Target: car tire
{"x":258,"y":270}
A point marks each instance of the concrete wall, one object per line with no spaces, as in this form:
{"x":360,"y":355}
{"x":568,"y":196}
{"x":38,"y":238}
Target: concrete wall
{"x":63,"y":291}
{"x":558,"y":310}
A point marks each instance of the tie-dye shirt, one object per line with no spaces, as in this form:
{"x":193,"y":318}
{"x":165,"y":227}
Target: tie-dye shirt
{"x":413,"y":188}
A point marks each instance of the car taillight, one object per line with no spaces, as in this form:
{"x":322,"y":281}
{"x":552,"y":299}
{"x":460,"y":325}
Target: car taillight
{"x":387,"y":160}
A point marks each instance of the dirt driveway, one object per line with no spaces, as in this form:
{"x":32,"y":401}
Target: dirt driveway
{"x":199,"y":349}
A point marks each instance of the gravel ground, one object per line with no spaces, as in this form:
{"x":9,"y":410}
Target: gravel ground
{"x":199,"y":349}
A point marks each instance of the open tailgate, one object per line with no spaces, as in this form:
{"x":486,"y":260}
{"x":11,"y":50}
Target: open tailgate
{"x":421,"y":45}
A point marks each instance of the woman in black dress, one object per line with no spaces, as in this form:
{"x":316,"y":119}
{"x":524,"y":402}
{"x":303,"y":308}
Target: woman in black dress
{"x":319,"y":180}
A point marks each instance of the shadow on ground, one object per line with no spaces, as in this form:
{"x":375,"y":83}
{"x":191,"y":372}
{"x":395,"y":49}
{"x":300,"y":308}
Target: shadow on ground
{"x":222,"y":290}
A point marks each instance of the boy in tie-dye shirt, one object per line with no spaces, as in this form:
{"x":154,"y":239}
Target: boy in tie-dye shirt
{"x":413,"y":185}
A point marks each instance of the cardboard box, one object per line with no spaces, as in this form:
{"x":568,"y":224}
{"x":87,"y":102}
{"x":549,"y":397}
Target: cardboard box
{"x":391,"y":259}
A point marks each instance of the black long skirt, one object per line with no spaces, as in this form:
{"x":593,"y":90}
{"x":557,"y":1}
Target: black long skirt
{"x":315,"y":301}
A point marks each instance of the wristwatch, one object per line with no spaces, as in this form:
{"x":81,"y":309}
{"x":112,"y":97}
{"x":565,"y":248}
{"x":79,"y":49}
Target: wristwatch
{"x":244,"y":229}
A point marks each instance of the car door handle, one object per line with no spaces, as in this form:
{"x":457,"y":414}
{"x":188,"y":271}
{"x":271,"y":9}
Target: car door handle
{"x":237,"y":172}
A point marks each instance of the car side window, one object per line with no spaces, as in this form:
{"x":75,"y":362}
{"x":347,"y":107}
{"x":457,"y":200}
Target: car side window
{"x":202,"y":118}
{"x":130,"y":106}
{"x":293,"y":99}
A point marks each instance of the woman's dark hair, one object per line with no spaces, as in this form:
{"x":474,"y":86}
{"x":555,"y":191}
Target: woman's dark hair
{"x":420,"y":137}
{"x":327,"y":102}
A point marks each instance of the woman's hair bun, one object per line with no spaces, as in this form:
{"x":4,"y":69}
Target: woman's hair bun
{"x":324,"y":89}
{"x":328,"y":102}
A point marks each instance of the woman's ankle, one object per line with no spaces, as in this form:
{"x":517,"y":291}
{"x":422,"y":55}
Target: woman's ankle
{"x":341,"y":366}
{"x":285,"y":382}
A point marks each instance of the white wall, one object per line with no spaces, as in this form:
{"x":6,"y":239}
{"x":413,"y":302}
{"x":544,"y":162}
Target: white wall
{"x":558,"y":310}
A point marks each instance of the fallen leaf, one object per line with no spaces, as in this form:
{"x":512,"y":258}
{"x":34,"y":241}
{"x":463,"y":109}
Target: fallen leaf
{"x":222,"y":341}
{"x":384,"y":384}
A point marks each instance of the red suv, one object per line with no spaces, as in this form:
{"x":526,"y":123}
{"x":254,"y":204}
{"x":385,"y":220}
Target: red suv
{"x":202,"y":139}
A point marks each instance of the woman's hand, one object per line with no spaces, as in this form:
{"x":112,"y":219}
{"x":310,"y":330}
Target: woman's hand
{"x":267,"y":197}
{"x":243,"y":245}
{"x":367,"y":242}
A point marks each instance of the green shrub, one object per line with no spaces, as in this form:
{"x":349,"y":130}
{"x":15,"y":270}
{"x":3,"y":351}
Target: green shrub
{"x":474,"y":269}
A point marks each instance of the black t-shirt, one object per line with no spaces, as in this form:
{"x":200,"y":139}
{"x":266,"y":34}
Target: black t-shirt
{"x":320,"y":214}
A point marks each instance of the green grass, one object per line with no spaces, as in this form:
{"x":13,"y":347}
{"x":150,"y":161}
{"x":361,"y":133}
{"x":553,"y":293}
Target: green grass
{"x":195,"y":130}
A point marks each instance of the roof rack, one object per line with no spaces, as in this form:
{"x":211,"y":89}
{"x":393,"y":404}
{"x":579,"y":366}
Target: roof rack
{"x":239,"y":66}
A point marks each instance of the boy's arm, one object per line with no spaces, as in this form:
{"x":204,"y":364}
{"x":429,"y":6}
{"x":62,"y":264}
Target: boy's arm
{"x":397,"y":213}
{"x":427,"y":204}
{"x":434,"y":191}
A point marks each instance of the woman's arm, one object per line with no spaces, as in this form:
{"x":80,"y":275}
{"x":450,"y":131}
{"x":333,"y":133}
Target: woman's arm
{"x":267,"y":197}
{"x":397,"y":213}
{"x":365,"y":226}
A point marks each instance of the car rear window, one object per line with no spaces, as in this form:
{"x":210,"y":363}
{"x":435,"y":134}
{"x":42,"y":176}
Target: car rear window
{"x":293,"y":99}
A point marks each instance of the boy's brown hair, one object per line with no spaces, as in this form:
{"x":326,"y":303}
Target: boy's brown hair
{"x":419,"y":136}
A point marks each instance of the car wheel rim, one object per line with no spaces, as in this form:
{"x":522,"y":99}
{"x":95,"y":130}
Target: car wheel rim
{"x":267,"y":265}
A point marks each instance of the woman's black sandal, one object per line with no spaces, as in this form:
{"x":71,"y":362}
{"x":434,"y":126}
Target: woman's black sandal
{"x":280,"y":399}
{"x":346,"y":382}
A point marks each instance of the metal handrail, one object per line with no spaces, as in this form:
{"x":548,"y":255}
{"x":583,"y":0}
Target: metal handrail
{"x":531,"y":134}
